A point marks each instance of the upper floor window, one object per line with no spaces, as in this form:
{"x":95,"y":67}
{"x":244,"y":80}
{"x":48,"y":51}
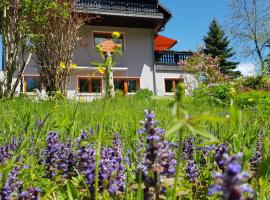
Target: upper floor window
{"x":101,"y":37}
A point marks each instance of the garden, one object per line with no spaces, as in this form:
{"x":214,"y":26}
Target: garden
{"x":136,"y":147}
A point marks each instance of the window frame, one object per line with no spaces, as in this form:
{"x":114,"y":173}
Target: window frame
{"x":126,"y":79}
{"x":25,"y":83}
{"x":174,"y":84}
{"x":89,"y":80}
{"x":122,"y":34}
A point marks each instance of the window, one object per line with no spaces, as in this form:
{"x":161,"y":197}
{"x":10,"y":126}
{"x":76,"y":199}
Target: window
{"x":100,"y":37}
{"x":86,"y":85}
{"x":170,"y":84}
{"x":32,"y":83}
{"x":127,"y":85}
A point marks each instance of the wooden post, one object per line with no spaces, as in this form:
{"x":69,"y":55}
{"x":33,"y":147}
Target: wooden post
{"x":125,"y":87}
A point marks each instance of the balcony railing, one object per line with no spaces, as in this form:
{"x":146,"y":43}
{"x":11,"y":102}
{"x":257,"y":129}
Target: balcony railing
{"x":146,"y":6}
{"x":171,"y":57}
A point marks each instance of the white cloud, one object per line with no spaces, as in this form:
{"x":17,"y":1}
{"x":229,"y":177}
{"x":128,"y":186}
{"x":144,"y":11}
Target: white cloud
{"x":247,"y":69}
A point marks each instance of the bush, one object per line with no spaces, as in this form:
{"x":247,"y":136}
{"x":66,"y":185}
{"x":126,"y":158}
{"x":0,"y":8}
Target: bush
{"x":144,"y":93}
{"x":253,"y":98}
{"x":215,"y":93}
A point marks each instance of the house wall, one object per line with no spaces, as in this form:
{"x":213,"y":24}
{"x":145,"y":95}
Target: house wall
{"x":189,"y":81}
{"x":137,"y":55}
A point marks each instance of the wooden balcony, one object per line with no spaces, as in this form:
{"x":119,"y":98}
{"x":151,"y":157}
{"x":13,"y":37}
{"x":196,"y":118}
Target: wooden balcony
{"x":140,"y":6}
{"x":171,"y":57}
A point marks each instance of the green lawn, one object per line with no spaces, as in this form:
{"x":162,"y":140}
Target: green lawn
{"x":122,"y":115}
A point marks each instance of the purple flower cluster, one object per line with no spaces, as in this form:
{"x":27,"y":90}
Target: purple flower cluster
{"x":14,"y":188}
{"x":6,"y":150}
{"x":231,"y":183}
{"x":61,"y":159}
{"x":159,"y":160}
{"x":220,"y":151}
{"x":256,"y":158}
{"x":191,"y":166}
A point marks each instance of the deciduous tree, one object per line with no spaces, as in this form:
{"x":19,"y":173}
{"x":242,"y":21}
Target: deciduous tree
{"x":15,"y":33}
{"x":250,"y":26}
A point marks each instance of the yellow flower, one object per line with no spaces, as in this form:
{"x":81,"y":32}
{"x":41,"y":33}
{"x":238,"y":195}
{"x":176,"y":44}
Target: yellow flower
{"x":232,"y":92}
{"x":62,"y":65}
{"x":101,"y":69}
{"x":99,"y":48}
{"x":116,"y":35}
{"x":73,"y":66}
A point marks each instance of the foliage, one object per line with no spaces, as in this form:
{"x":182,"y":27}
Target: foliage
{"x":144,"y":93}
{"x":249,"y":26}
{"x":254,"y":83}
{"x":217,"y":45}
{"x":15,"y":32}
{"x":215,"y":93}
{"x":55,"y":27}
{"x":203,"y":66}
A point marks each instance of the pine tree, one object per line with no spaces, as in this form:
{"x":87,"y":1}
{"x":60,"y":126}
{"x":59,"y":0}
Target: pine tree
{"x":217,"y":45}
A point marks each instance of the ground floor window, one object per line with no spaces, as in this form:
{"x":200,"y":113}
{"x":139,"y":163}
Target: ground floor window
{"x":86,"y":85}
{"x":127,"y":85}
{"x":31,"y":83}
{"x":171,"y":83}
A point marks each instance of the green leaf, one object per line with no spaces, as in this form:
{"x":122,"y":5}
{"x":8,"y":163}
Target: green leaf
{"x":72,"y":191}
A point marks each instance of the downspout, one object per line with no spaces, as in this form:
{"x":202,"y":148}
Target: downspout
{"x":154,"y":64}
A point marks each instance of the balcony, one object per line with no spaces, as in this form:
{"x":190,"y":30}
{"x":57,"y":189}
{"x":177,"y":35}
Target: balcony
{"x":138,"y":6}
{"x":171,"y":57}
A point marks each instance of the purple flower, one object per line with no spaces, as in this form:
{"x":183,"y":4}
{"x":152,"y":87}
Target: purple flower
{"x":256,"y":158}
{"x":220,"y":151}
{"x":191,"y":171}
{"x":188,"y":149}
{"x":158,"y":161}
{"x":231,"y":183}
{"x":7,"y":149}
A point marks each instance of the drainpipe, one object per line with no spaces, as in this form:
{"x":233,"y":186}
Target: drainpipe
{"x":154,"y":64}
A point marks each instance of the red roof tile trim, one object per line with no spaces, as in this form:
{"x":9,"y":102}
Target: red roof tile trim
{"x":164,"y":43}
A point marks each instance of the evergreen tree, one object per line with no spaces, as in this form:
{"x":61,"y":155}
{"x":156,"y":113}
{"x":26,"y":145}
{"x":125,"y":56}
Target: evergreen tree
{"x":217,"y":45}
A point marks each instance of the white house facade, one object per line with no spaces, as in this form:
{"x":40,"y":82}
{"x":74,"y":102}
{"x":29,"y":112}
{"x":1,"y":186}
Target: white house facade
{"x":146,"y":62}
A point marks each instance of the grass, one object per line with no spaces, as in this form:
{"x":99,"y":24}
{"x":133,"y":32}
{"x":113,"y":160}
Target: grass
{"x":122,"y":115}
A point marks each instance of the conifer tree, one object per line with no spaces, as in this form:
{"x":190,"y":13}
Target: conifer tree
{"x":217,"y":45}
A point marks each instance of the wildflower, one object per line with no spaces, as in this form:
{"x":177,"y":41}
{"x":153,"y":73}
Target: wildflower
{"x":188,"y":149}
{"x":250,"y":99}
{"x":50,"y":154}
{"x":6,"y":150}
{"x":191,"y":171}
{"x":62,"y":65}
{"x":220,"y":151}
{"x":73,"y":66}
{"x":116,"y":35}
{"x":232,"y":92}
{"x":158,"y":162}
{"x":101,"y":69}
{"x":231,"y":183}
{"x":255,"y":160}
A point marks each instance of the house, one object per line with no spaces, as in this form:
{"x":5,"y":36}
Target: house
{"x":147,"y":61}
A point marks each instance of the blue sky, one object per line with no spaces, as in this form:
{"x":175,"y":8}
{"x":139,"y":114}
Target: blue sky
{"x":191,"y":19}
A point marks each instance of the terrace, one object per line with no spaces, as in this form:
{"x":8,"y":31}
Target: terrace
{"x":171,"y":57}
{"x":139,"y":6}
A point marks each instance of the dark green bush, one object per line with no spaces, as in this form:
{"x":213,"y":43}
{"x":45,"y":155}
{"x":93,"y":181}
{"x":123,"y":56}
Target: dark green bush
{"x":144,"y":93}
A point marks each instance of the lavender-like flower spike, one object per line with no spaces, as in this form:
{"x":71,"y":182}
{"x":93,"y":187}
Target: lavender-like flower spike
{"x":192,"y":171}
{"x":188,"y":149}
{"x":158,"y":163}
{"x":10,"y":185}
{"x":254,"y":161}
{"x":50,"y":154}
{"x":231,"y":183}
{"x":6,"y":150}
{"x":220,"y":151}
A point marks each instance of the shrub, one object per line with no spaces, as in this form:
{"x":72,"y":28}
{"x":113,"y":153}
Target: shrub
{"x":144,"y":93}
{"x":214,"y":93}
